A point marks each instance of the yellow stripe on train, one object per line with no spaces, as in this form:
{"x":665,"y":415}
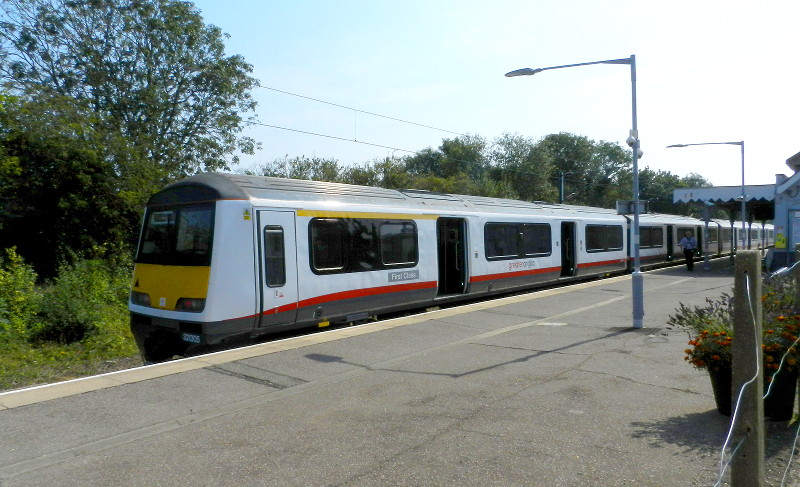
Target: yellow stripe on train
{"x":167,"y":283}
{"x":365,"y":214}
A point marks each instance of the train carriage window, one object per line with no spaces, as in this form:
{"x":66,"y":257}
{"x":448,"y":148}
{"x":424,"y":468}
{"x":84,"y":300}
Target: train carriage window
{"x":603,"y":238}
{"x":614,"y":237}
{"x":645,"y":239}
{"x":363,"y":245}
{"x":517,"y":240}
{"x":651,"y":237}
{"x":327,"y":244}
{"x":657,"y":236}
{"x":341,"y":245}
{"x":274,"y":256}
{"x":713,"y":235}
{"x":398,"y":243}
{"x":501,"y":240}
{"x":536,"y":239}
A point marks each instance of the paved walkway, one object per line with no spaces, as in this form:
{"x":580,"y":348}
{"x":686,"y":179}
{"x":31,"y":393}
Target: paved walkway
{"x":552,"y":388}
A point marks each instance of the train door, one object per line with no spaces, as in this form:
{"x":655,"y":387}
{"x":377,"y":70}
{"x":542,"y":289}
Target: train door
{"x":277,"y":267}
{"x":670,"y":242}
{"x":698,"y":232}
{"x":451,"y":245}
{"x":568,"y":238}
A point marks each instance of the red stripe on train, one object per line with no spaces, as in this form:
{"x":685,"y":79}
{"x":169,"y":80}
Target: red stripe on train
{"x":605,"y":262}
{"x":372,"y":291}
{"x":506,"y":275}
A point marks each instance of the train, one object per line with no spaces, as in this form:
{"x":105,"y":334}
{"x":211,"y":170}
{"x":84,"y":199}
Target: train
{"x":227,"y":257}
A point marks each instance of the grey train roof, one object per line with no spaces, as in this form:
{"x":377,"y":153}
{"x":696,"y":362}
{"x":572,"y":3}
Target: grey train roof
{"x":226,"y":186}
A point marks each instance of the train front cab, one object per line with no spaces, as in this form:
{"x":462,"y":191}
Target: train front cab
{"x":196,"y":240}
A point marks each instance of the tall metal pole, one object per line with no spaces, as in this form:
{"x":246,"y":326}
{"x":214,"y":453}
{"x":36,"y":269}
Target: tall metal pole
{"x":637,"y":283}
{"x":744,"y":195}
{"x":744,"y":209}
{"x":637,"y":292}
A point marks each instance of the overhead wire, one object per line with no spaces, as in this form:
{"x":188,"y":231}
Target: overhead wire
{"x":355,"y":140}
{"x":363,"y":111}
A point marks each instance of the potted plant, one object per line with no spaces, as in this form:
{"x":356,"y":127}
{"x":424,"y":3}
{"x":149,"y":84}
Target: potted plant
{"x":710,"y":330}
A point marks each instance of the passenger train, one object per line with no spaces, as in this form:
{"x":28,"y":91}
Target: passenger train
{"x":223,"y":257}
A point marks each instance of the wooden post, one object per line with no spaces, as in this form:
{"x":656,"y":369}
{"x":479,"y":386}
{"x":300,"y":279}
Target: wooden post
{"x":748,"y":465}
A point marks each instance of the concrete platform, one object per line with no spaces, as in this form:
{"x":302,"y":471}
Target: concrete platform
{"x":551,"y":388}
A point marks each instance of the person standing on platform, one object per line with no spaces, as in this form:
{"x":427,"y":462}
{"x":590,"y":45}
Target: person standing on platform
{"x":689,"y":245}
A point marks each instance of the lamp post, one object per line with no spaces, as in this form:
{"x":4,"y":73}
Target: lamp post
{"x":637,"y":291}
{"x":744,"y":196}
{"x":561,"y":190}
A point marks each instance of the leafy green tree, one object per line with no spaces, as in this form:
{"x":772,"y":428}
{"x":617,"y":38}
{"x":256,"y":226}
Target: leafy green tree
{"x":302,"y":167}
{"x":595,"y":167}
{"x":60,"y":197}
{"x":524,"y":167}
{"x":463,"y":155}
{"x":392,"y":173}
{"x":151,"y":70}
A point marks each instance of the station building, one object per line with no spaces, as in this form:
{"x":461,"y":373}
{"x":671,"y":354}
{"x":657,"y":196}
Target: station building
{"x":777,"y":203}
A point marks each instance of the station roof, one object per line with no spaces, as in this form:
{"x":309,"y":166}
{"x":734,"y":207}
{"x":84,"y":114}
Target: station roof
{"x":759,"y":199}
{"x":724,"y":194}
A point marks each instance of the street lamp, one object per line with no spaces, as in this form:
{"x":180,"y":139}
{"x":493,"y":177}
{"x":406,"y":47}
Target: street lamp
{"x":637,"y":291}
{"x":744,"y":196}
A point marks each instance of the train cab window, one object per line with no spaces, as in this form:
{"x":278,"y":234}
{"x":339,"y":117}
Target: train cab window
{"x":177,"y":236}
{"x":398,"y":243}
{"x":327,"y":244}
{"x":603,"y":238}
{"x":536,"y":239}
{"x":274,"y":256}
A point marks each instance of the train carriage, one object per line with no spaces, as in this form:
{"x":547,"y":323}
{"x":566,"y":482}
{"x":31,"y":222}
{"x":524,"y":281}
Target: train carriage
{"x":224,"y":257}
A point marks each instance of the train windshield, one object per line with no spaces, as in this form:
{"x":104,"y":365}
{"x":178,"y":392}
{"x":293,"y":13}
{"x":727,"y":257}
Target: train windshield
{"x":177,"y":236}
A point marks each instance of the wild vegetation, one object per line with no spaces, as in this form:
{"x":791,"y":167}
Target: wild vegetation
{"x":103,"y":102}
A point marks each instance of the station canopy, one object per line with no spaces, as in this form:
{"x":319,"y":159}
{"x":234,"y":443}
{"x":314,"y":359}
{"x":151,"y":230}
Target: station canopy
{"x":759,"y":199}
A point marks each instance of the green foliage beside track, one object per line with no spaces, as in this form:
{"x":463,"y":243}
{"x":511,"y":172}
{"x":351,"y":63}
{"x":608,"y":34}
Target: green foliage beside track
{"x":72,"y":326}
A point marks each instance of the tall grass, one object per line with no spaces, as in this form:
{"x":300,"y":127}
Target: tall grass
{"x":74,"y":325}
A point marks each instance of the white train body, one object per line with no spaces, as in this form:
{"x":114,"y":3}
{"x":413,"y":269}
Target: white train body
{"x":223,"y":256}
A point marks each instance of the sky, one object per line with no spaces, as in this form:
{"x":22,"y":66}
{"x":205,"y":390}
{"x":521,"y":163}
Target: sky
{"x":707,"y":71}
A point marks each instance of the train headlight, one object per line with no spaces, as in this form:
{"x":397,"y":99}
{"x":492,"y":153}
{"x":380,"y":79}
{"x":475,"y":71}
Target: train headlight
{"x":193,"y":305}
{"x":142,"y":299}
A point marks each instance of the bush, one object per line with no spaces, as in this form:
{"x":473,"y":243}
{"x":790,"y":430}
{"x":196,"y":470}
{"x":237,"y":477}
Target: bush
{"x":19,"y":298}
{"x":81,"y":299}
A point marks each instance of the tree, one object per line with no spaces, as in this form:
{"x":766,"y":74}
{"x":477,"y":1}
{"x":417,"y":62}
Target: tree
{"x":60,"y":197}
{"x":595,"y":167}
{"x":302,"y":167}
{"x":151,"y":71}
{"x":524,"y":167}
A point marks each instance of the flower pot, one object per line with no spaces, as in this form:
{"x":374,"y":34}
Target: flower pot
{"x":778,"y":405}
{"x":721,"y":385}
